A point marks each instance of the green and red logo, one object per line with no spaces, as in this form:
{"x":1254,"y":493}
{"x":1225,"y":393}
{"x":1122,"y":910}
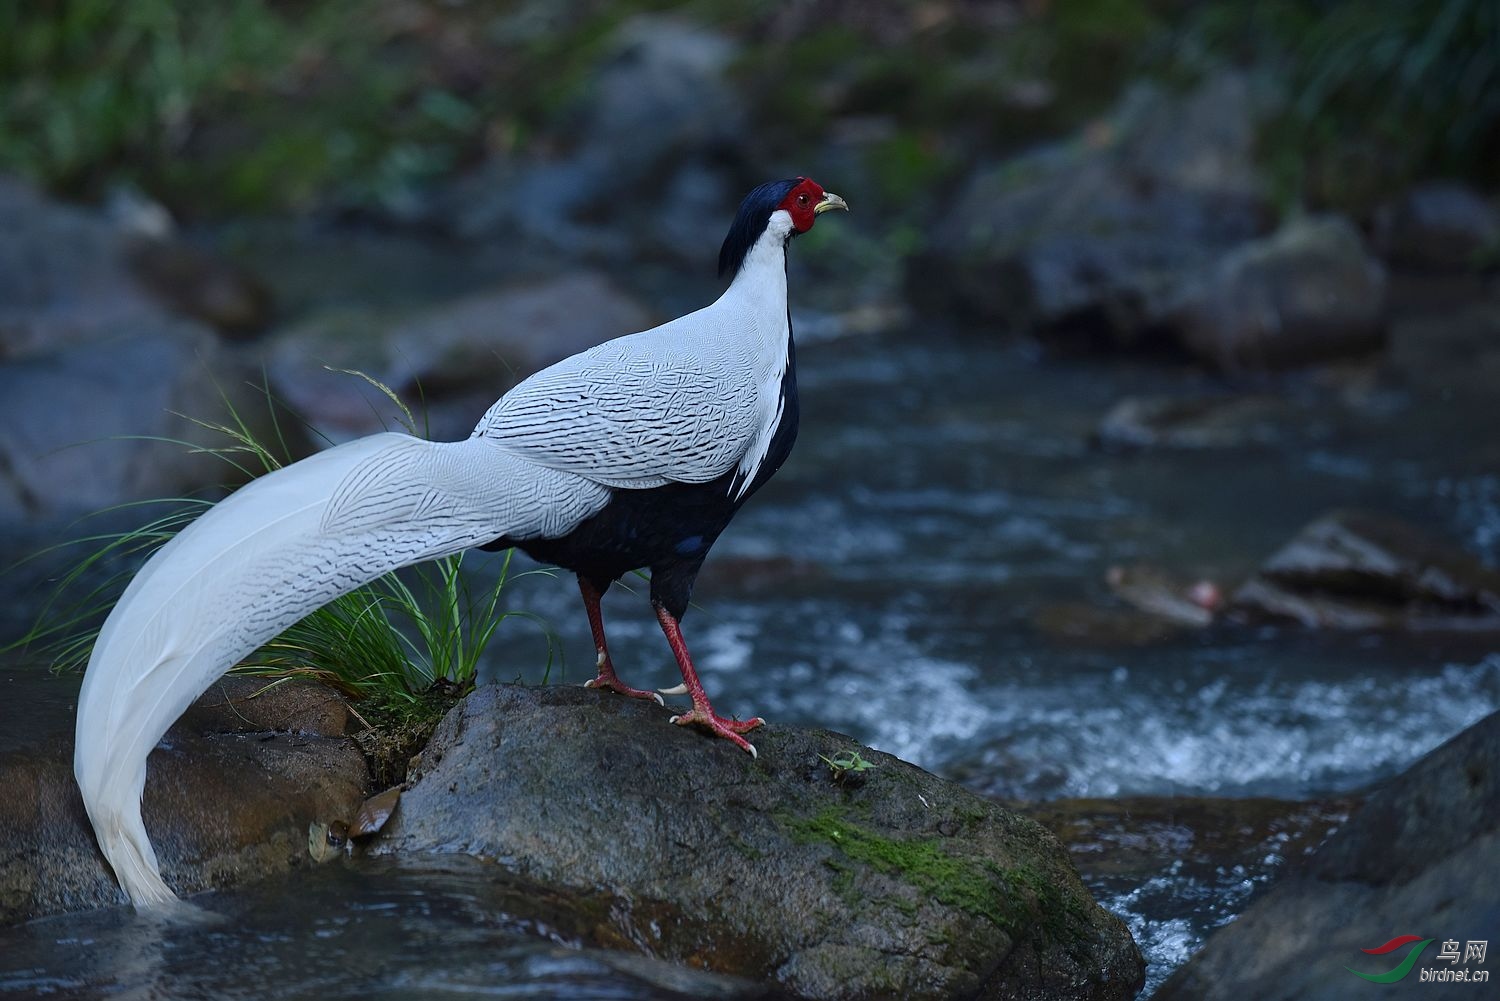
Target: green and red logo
{"x":1472,"y":958}
{"x":1392,"y":946}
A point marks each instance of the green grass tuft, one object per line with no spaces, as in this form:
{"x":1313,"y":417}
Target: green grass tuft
{"x":391,"y":642}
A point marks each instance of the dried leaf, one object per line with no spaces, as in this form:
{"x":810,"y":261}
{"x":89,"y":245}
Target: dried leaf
{"x":375,"y":812}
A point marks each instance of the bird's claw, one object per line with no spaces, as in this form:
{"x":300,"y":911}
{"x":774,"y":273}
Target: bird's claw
{"x":619,"y":687}
{"x":678,"y":689}
{"x":729,"y":729}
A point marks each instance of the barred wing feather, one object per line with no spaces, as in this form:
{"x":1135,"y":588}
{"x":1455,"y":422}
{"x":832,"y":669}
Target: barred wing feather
{"x":625,"y":416}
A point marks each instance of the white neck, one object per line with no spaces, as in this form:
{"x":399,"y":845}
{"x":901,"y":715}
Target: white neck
{"x":758,"y":296}
{"x":762,"y":277}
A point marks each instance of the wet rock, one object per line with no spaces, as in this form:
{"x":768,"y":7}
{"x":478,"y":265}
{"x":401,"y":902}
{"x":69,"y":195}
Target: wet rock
{"x":194,"y":281}
{"x":87,"y":359}
{"x":1309,"y":292}
{"x":244,"y":704}
{"x":1093,"y":237}
{"x":1176,"y":868}
{"x":96,"y":423}
{"x":1356,"y":570}
{"x":1155,"y":592}
{"x":661,"y":93}
{"x":902,"y":886}
{"x":63,"y":276}
{"x":1411,"y":860}
{"x":223,"y":805}
{"x":1160,"y":606}
{"x":1442,"y":226}
{"x":507,"y":334}
{"x":70,"y":275}
{"x":467,"y":352}
{"x":659,"y":118}
{"x":1193,"y":422}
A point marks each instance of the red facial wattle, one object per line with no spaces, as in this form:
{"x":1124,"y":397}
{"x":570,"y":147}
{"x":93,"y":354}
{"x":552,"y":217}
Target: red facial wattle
{"x":801,"y":204}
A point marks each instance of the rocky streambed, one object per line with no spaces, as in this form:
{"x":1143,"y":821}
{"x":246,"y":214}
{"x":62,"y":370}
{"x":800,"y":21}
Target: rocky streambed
{"x":961,"y":508}
{"x":610,"y":828}
{"x":567,"y":841}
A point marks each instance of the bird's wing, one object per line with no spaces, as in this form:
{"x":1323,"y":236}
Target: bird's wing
{"x":635,"y":412}
{"x":261,"y":559}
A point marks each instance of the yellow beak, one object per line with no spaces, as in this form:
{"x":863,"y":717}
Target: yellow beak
{"x":830,"y":202}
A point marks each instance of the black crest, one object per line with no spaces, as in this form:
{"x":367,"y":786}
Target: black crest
{"x":750,"y":222}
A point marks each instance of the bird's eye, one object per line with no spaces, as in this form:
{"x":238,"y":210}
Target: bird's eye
{"x":802,"y":199}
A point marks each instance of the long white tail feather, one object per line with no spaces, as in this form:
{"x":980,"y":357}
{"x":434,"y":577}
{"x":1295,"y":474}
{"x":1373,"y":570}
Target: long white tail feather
{"x":260,"y":560}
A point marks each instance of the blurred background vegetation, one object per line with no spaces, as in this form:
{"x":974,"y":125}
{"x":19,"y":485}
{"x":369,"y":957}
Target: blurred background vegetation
{"x":256,"y":105}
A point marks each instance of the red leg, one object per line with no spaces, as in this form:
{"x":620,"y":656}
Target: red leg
{"x":607,"y":677}
{"x":702,"y":714}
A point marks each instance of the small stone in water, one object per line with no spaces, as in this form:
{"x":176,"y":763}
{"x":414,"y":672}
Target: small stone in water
{"x":326,"y":841}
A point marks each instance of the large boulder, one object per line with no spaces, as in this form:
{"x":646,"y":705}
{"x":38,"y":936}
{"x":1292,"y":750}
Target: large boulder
{"x":638,"y":166}
{"x":1307,"y":293}
{"x":230,"y":793}
{"x":100,"y":422}
{"x":97,"y":378}
{"x":1357,"y":570}
{"x":70,"y":275}
{"x":63,"y":275}
{"x":464,"y":353}
{"x":1205,"y":421}
{"x":1440,"y":226}
{"x":884,"y":882}
{"x":1093,"y":236}
{"x":198,"y":282}
{"x":1411,"y":862}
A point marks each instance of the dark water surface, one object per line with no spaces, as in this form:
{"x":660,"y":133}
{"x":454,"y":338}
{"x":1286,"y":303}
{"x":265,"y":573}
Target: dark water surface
{"x":438,"y":928}
{"x":944,"y":495}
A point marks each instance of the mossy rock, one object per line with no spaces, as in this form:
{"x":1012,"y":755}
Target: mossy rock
{"x":888,"y":883}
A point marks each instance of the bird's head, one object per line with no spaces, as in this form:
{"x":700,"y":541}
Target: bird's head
{"x":781,"y":208}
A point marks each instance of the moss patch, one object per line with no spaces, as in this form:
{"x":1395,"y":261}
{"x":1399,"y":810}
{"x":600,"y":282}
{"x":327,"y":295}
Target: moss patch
{"x":1013,"y":899}
{"x":395,"y":732}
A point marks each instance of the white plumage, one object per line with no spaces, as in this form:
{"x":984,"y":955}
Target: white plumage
{"x":685,"y":402}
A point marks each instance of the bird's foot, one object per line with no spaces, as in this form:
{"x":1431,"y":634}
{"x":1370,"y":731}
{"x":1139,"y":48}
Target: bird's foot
{"x":729,"y":729}
{"x":610,"y":681}
{"x":619,"y":687}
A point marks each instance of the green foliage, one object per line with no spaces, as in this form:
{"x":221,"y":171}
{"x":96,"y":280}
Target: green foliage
{"x":91,"y":85}
{"x":849,"y":763}
{"x":229,"y":104}
{"x":68,"y":622}
{"x":249,"y":105}
{"x":391,"y":641}
{"x":1373,"y":93}
{"x":907,"y":162}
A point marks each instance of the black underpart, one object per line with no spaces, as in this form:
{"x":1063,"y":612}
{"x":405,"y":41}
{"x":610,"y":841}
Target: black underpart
{"x":750,"y":222}
{"x":668,"y":529}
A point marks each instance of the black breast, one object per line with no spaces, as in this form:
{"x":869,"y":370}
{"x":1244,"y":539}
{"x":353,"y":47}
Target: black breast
{"x":668,"y":528}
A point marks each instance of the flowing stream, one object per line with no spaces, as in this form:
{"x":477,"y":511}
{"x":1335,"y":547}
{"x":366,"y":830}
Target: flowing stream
{"x":912,"y":578}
